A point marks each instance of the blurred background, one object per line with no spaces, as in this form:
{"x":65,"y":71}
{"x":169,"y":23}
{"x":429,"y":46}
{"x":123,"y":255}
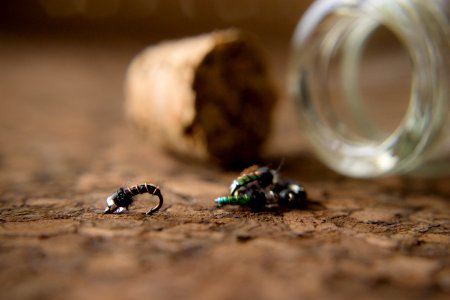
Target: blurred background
{"x":139,"y":18}
{"x":63,"y":63}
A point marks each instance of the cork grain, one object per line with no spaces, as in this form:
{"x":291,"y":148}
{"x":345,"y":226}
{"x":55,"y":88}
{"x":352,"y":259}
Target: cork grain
{"x":67,"y":146}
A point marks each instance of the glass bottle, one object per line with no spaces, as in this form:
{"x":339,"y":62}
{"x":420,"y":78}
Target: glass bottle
{"x":328,"y":50}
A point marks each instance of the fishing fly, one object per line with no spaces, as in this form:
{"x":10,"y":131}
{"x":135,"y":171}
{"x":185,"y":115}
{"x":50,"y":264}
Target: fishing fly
{"x":123,"y":198}
{"x":261,"y":176}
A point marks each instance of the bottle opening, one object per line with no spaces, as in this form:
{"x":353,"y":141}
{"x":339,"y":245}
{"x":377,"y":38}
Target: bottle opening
{"x":369,"y":85}
{"x":369,"y":78}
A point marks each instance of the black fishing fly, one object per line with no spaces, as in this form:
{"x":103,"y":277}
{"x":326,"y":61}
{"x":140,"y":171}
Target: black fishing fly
{"x":123,"y":198}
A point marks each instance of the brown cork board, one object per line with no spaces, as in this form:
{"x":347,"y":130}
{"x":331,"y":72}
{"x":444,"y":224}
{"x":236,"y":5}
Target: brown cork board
{"x":65,"y":147}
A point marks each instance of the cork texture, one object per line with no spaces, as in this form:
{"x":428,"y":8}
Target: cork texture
{"x":66,"y":147}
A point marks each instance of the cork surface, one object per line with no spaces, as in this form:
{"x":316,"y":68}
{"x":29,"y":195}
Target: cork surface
{"x":66,"y":146}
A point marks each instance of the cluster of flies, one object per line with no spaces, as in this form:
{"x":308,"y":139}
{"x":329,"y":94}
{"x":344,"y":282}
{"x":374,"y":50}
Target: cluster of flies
{"x":256,"y":187}
{"x":261,"y":187}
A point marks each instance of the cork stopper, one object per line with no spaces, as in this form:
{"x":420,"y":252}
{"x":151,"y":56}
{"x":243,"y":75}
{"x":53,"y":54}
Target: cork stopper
{"x":207,"y":97}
